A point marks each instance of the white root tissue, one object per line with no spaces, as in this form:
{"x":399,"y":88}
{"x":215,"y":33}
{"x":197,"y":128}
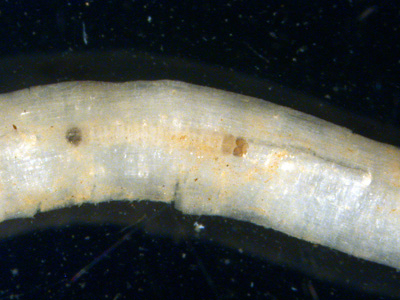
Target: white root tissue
{"x":210,"y":152}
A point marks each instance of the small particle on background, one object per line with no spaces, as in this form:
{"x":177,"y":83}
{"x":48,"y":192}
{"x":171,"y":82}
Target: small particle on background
{"x":149,"y":19}
{"x":198,"y":227}
{"x":14,"y":272}
{"x":312,"y":290}
{"x":367,"y":12}
{"x":302,"y":49}
{"x":84,"y":34}
{"x":273,"y":35}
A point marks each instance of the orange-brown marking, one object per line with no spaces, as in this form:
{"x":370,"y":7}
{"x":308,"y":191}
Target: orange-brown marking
{"x":241,"y":147}
{"x":228,"y":143}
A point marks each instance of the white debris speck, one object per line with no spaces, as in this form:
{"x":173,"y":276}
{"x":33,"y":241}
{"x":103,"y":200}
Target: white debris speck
{"x":84,"y":34}
{"x":198,"y":227}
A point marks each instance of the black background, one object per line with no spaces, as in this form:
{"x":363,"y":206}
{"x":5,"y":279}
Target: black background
{"x":344,"y":55}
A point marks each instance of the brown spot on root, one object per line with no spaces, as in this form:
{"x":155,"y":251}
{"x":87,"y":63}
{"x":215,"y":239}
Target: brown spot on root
{"x":241,"y":147}
{"x":74,"y":136}
{"x":236,"y":146}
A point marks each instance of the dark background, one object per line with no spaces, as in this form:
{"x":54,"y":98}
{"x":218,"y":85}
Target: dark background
{"x":336,"y":60}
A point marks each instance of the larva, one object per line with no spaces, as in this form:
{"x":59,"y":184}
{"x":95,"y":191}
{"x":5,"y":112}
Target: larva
{"x":210,"y":152}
